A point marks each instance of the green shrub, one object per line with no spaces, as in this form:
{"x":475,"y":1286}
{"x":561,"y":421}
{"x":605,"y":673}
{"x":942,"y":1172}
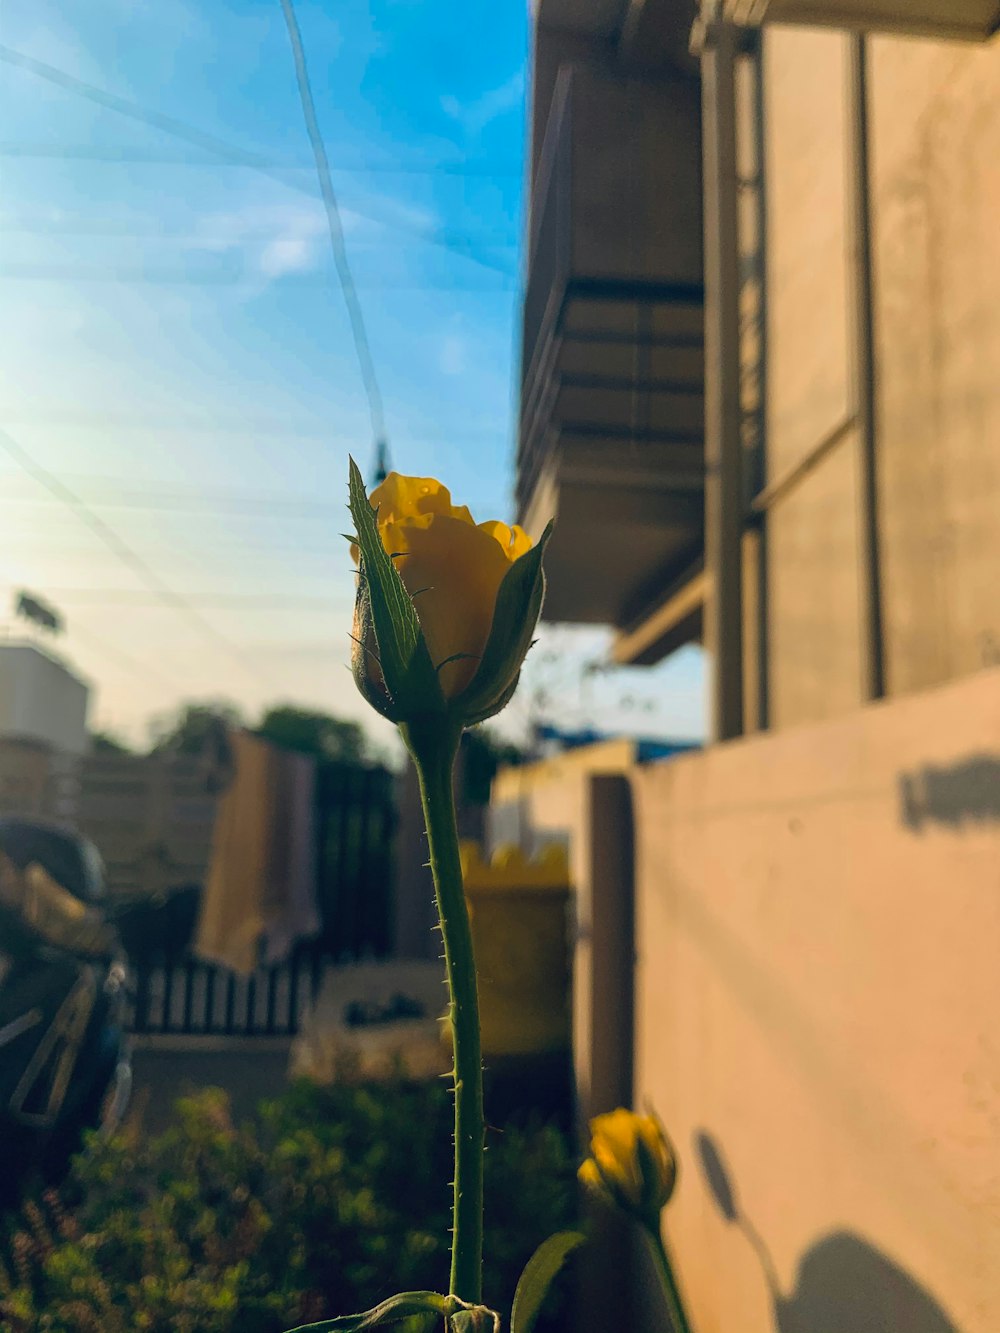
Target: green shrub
{"x":328,"y":1201}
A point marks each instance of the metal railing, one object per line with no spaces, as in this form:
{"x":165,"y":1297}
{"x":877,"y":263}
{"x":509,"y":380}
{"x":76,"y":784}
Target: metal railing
{"x":355,"y":823}
{"x":191,"y":997}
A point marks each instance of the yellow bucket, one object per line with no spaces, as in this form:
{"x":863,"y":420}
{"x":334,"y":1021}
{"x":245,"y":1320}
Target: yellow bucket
{"x":520,"y":928}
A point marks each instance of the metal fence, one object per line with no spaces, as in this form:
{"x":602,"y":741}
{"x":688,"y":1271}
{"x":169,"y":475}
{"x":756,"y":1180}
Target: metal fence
{"x":356,"y":818}
{"x":194,"y":998}
{"x":355,"y":828}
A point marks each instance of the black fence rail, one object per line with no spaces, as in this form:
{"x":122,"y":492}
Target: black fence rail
{"x":356,"y":816}
{"x":190,"y":997}
{"x":355,"y":823}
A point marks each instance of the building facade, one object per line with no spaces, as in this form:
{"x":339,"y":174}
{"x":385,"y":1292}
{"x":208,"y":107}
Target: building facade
{"x":41,"y":699}
{"x":761,"y":339}
{"x":761,"y":396}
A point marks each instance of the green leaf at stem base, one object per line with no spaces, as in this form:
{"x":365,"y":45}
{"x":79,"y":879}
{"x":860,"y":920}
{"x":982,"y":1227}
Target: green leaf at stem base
{"x":391,"y":1311}
{"x":537,"y":1277}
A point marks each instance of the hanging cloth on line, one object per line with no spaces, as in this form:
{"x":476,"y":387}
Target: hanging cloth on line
{"x":261,"y":883}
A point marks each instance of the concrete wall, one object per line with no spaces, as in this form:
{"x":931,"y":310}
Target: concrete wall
{"x":935,"y":110}
{"x":813,"y":549}
{"x":581,"y":799}
{"x":533,"y":806}
{"x":934,"y":125}
{"x":805,"y":160}
{"x":817,"y":1008}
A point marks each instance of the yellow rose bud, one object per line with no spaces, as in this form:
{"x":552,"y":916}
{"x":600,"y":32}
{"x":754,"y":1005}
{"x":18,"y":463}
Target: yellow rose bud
{"x":474,"y":591}
{"x":633,"y":1163}
{"x":453,"y":566}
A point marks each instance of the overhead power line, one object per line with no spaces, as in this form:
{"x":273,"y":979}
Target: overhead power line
{"x":99,"y":644}
{"x":40,"y":225}
{"x":221,"y":600}
{"x":141,"y":670}
{"x":141,"y":156}
{"x":125,"y":106}
{"x":157,"y":497}
{"x":340,"y":259}
{"x":30,"y":272}
{"x":205,"y":424}
{"x":185,"y":423}
{"x":130,"y":558}
{"x":221,"y":149}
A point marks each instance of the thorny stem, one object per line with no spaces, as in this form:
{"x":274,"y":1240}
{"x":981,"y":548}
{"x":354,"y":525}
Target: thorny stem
{"x":433,"y":742}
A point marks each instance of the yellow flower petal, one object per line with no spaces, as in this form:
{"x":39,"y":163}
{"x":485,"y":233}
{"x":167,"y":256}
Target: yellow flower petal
{"x":399,"y":499}
{"x":452,"y":567}
{"x":454,"y":570}
{"x":644,"y":1179}
{"x":589,"y":1175}
{"x":514,"y":541}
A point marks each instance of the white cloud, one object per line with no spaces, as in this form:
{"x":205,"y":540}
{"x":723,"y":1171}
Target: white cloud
{"x":451,"y":106}
{"x":475,"y":116}
{"x":286,"y":254}
{"x":453,"y":355}
{"x":273,"y":240}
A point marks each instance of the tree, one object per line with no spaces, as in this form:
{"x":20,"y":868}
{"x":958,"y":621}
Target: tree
{"x":313,"y":733}
{"x":483,"y":752}
{"x":106,"y":742}
{"x":193,"y":726}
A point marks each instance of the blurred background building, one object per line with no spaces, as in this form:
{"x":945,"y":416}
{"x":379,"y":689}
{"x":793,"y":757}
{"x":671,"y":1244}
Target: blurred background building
{"x":41,"y":698}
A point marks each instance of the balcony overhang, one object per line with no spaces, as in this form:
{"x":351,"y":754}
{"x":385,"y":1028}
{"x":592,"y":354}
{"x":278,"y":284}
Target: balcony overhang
{"x":617,"y":460}
{"x":676,"y":618}
{"x":612,"y":397}
{"x":971,"y":20}
{"x":645,"y":34}
{"x":612,"y":526}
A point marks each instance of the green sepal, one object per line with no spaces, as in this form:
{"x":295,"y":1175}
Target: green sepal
{"x":519,"y":602}
{"x":365,"y":665}
{"x":472,"y":719}
{"x":538,"y":1275}
{"x":410,"y":679}
{"x":391,"y":1311}
{"x":657,"y":1187}
{"x":474,"y":1319}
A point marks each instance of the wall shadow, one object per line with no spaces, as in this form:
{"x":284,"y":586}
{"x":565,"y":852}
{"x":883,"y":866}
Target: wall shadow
{"x":960,"y":793}
{"x":843,"y":1283}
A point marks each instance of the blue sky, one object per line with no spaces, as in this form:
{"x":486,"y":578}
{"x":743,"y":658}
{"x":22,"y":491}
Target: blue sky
{"x":175,"y":350}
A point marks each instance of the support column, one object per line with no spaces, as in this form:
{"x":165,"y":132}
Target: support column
{"x":724,"y":493}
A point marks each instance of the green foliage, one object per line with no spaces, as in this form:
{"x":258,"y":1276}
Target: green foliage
{"x":197,"y":726}
{"x":518,"y":606}
{"x":327,"y":1202}
{"x":106,"y":742}
{"x":312,"y":733}
{"x":193,"y":727}
{"x":483,"y":752}
{"x":538,"y":1276}
{"x":406,"y":683}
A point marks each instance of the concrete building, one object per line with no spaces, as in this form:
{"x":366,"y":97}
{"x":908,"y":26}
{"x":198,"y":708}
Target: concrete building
{"x":817,"y":206}
{"x":41,"y":698}
{"x":612,"y":398}
{"x":761,"y":395}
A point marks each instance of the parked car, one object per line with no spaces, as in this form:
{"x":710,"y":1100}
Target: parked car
{"x":64,"y":1058}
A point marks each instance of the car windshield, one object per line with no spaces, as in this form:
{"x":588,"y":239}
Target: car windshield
{"x":94,"y":870}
